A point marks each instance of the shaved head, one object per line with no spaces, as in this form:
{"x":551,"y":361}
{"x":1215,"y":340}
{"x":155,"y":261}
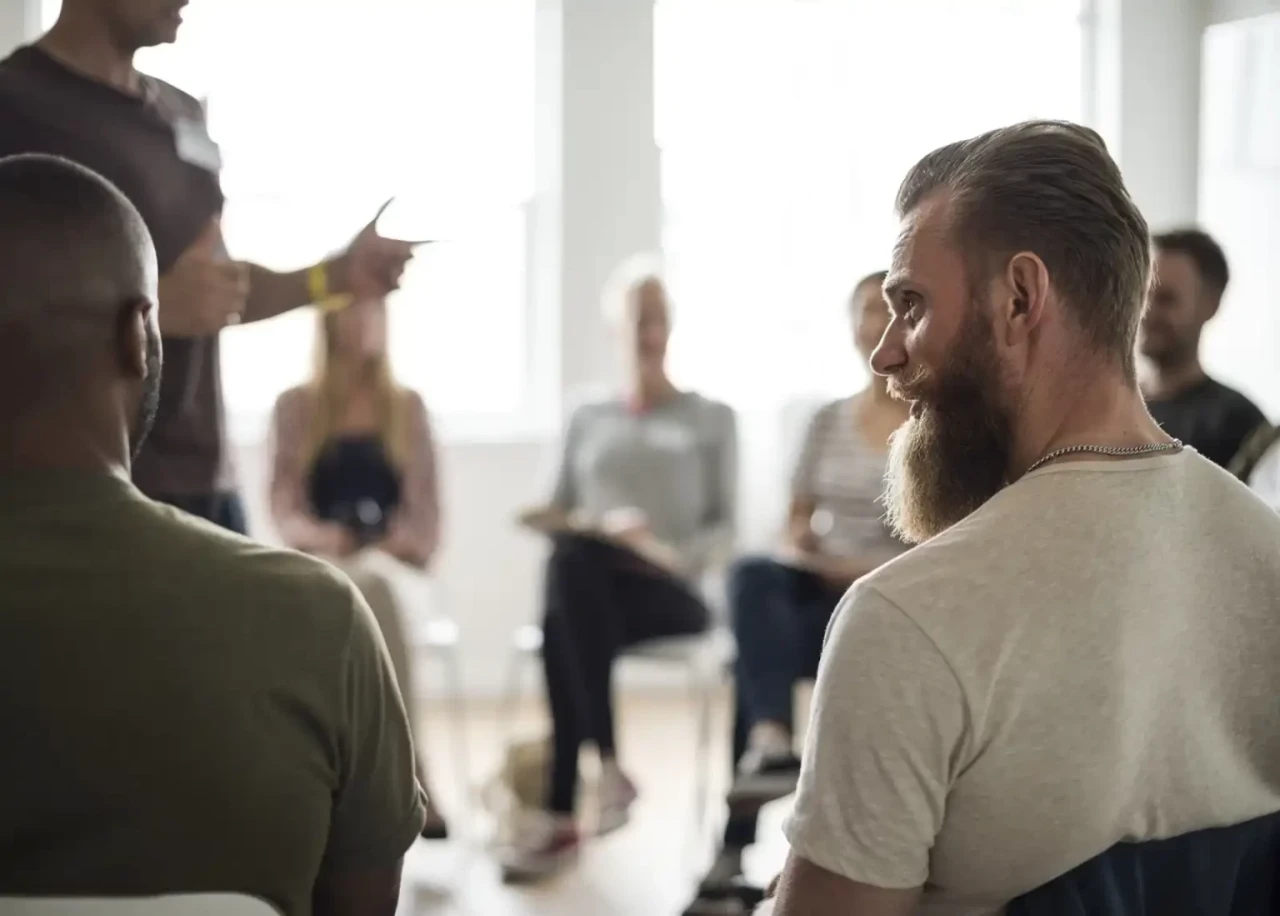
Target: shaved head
{"x":71,"y":241}
{"x":78,"y":292}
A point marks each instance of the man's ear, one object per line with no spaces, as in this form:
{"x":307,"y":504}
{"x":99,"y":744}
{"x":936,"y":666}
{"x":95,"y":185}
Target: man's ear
{"x":1209,"y":304}
{"x":131,"y":339}
{"x":1026,"y":292}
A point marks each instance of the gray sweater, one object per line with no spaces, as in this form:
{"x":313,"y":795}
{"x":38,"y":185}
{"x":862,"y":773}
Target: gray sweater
{"x":677,"y":462}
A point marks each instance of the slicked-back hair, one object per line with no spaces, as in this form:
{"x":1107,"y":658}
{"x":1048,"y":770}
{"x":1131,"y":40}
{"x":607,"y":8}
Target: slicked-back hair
{"x":1049,"y":187}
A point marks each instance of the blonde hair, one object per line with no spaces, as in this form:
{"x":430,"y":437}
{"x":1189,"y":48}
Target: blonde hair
{"x":636,"y":271}
{"x":330,"y":384}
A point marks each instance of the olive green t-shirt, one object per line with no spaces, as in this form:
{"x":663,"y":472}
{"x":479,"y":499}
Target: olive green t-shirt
{"x":185,"y":710}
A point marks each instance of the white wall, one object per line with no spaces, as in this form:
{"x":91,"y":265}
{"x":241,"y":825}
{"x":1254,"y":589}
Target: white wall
{"x":1146,"y":85}
{"x":19,"y":19}
{"x":1232,"y":10}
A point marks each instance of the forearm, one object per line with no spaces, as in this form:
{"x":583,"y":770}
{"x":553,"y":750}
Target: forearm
{"x":805,"y":889}
{"x":412,"y":541}
{"x":272,"y":293}
{"x":300,"y":530}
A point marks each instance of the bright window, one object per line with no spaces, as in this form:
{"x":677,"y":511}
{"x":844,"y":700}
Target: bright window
{"x":785,"y":129}
{"x":323,"y":111}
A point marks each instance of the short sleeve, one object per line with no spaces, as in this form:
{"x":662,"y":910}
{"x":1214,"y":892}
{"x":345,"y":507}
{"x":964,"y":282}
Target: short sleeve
{"x":1244,"y":422}
{"x":379,"y":806}
{"x":723,"y":468}
{"x":888,"y":726}
{"x":802,"y":482}
{"x":564,"y":494}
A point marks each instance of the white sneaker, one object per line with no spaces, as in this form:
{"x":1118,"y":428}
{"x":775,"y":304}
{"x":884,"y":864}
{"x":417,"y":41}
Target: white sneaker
{"x":617,"y":794}
{"x":544,"y":846}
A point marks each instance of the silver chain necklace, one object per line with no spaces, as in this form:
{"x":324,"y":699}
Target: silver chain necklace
{"x":1115,"y":451}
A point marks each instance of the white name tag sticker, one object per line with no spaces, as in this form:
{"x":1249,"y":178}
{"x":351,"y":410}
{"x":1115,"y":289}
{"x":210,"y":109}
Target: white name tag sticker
{"x":671,"y":437}
{"x":195,"y":146}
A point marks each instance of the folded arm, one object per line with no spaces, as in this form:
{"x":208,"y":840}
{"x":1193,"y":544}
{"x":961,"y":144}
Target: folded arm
{"x":296,"y":524}
{"x":806,"y":889}
{"x":414,"y":531}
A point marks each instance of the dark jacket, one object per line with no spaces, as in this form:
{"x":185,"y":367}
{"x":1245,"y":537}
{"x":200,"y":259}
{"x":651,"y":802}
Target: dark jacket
{"x":1224,"y":871}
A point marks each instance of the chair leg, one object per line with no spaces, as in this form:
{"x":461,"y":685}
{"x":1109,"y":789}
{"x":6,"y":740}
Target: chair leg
{"x":511,"y":696}
{"x":703,"y":689}
{"x":458,"y":712}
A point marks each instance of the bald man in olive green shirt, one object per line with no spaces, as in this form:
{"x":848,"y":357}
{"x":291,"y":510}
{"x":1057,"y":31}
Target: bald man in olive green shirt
{"x":181,"y":709}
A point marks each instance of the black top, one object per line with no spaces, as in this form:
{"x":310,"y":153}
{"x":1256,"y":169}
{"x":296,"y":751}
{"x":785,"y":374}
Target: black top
{"x":154,"y":148}
{"x":1210,"y":417}
{"x":354,"y":484}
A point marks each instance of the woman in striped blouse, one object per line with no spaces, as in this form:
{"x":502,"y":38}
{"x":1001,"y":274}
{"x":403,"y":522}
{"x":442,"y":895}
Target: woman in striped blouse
{"x":781,"y":604}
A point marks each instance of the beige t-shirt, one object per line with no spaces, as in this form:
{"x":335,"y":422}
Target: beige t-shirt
{"x":1090,"y":657}
{"x":183,"y":709}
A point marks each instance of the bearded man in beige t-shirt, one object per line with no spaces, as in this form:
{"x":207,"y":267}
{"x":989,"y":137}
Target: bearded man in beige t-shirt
{"x":1082,"y":649}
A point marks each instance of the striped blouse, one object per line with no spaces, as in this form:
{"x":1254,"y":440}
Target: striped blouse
{"x":844,"y":477}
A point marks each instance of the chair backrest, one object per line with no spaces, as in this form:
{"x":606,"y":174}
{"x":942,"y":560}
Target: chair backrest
{"x":167,"y":905}
{"x":1223,"y":871}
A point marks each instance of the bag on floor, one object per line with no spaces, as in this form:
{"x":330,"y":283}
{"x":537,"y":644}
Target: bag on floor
{"x":518,"y":790}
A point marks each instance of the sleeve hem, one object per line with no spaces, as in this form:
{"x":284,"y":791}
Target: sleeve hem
{"x":389,"y":849}
{"x":820,"y":854}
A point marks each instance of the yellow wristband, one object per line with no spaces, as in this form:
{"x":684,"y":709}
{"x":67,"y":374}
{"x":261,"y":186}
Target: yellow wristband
{"x":318,"y":290}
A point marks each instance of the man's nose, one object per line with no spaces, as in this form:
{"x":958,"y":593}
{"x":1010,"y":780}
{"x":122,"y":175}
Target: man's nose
{"x":890,"y":355}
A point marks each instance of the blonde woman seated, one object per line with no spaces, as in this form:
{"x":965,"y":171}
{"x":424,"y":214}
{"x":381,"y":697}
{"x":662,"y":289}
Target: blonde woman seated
{"x":644,"y":499}
{"x":354,"y":472}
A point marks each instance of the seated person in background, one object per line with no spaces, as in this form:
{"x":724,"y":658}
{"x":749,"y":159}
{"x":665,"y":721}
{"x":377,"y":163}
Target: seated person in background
{"x":183,"y":709}
{"x":643,"y":502}
{"x":781,"y":606}
{"x":354,"y":470}
{"x":1190,"y":278}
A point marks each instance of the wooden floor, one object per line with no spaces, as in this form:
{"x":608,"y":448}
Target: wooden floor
{"x":649,"y":868}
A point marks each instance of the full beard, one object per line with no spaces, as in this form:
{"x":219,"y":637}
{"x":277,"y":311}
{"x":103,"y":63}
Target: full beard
{"x":952,"y":455}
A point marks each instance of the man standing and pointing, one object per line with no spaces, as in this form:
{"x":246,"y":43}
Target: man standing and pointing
{"x":75,"y":93}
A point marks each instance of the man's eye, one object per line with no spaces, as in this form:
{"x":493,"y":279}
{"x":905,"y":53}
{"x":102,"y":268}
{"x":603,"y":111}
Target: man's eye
{"x":913,"y":310}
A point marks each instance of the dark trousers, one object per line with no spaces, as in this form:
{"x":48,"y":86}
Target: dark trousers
{"x":223,"y":509}
{"x":600,"y":599}
{"x":780,"y":616}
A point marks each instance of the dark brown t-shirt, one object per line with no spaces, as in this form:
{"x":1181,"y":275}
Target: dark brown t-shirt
{"x":154,"y":148}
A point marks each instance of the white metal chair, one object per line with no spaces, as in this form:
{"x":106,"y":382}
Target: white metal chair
{"x":167,"y":905}
{"x":432,"y":632}
{"x":438,"y":637}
